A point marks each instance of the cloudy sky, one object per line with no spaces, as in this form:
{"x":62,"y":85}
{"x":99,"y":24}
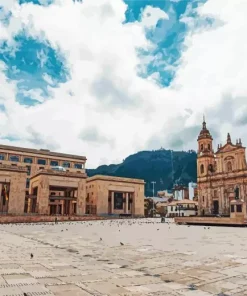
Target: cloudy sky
{"x":108,"y":78}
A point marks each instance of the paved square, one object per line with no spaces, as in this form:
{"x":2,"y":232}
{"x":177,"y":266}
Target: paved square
{"x":122,"y":257}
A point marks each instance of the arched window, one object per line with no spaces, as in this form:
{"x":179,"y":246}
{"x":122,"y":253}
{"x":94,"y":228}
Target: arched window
{"x":236,"y":193}
{"x":202,"y":169}
{"x":229,"y":166}
{"x":201,"y":147}
{"x":209,"y":146}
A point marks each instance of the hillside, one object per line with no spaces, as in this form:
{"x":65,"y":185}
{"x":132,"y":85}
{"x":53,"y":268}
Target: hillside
{"x":154,"y":166}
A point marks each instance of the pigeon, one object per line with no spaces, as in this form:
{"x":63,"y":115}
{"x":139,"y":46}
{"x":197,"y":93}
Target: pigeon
{"x":121,"y":244}
{"x":31,"y":256}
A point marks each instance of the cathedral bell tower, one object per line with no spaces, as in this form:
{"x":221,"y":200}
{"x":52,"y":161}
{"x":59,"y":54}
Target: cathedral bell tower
{"x":205,"y":155}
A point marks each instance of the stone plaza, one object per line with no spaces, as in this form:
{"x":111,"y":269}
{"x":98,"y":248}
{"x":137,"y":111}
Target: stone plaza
{"x":122,"y":257}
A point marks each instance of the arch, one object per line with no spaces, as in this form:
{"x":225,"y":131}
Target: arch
{"x":209,"y":147}
{"x":202,"y":169}
{"x":201,"y":147}
{"x":229,"y":166}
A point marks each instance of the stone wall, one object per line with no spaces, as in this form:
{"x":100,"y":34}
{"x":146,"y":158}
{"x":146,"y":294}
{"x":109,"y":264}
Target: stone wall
{"x":17,"y":193}
{"x":39,"y":219}
{"x":99,"y":193}
{"x":210,"y":220}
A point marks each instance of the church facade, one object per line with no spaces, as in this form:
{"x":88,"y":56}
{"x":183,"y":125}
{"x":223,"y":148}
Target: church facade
{"x":221,"y":175}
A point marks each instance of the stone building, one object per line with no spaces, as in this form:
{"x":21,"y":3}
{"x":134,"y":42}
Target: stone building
{"x":114,"y":195}
{"x":12,"y":189}
{"x":34,"y":160}
{"x":56,"y":192}
{"x":31,"y":182}
{"x":221,"y":175}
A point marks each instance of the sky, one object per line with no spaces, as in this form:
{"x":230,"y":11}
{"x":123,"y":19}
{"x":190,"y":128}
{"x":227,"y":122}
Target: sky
{"x":108,"y":78}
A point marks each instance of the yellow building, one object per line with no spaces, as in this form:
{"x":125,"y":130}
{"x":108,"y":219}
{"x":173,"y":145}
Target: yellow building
{"x":114,"y":195}
{"x":12,"y":189}
{"x":57,"y":193}
{"x":34,"y":160}
{"x":51,"y":183}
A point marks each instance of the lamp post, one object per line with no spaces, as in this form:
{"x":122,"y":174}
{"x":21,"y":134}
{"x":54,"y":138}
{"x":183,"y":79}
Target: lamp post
{"x":153,"y":182}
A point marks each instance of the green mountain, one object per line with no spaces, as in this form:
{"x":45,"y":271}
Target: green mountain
{"x":165,"y":167}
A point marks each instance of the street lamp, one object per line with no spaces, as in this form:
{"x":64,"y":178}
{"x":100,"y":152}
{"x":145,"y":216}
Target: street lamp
{"x":153,"y":182}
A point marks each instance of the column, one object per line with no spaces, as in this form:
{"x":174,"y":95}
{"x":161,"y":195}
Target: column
{"x":112,"y":202}
{"x":127,"y":202}
{"x":62,"y":207}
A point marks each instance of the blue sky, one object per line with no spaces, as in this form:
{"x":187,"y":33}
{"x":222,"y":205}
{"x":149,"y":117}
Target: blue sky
{"x":34,"y":60}
{"x":109,"y":78}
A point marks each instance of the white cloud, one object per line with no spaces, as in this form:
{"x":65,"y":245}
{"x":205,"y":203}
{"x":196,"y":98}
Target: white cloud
{"x":151,"y":15}
{"x":101,"y":53}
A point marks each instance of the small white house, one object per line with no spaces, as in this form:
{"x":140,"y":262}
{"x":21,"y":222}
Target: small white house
{"x":182,"y":208}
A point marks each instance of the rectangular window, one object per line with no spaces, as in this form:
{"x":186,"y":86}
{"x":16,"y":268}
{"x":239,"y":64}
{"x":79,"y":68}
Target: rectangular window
{"x":41,"y":161}
{"x":28,"y":170}
{"x":239,"y":208}
{"x":78,"y":166}
{"x":28,"y":160}
{"x":2,"y":156}
{"x":14,"y":158}
{"x":232,"y":208}
{"x":54,"y":163}
{"x":27,"y":183}
{"x":66,"y":164}
{"x":171,"y":208}
{"x":118,"y":200}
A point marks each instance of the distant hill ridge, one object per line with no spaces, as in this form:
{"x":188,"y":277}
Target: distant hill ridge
{"x":156,"y":165}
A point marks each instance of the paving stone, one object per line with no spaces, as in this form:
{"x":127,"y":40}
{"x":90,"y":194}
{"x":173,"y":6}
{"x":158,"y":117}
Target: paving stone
{"x":66,"y":290}
{"x":150,"y":263}
{"x":107,"y":288}
{"x":13,"y":291}
{"x":15,"y":279}
{"x":50,"y":281}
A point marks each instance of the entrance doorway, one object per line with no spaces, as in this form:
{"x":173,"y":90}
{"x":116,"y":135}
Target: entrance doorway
{"x":216,"y":207}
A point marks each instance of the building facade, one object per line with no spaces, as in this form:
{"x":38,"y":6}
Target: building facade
{"x":108,"y":195}
{"x":221,"y":175}
{"x":57,"y":193}
{"x":180,"y":192}
{"x":182,"y":208}
{"x":34,"y":160}
{"x":32,"y":182}
{"x":12,"y":189}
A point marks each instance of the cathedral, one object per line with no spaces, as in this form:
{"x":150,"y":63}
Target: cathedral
{"x":221,"y":175}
